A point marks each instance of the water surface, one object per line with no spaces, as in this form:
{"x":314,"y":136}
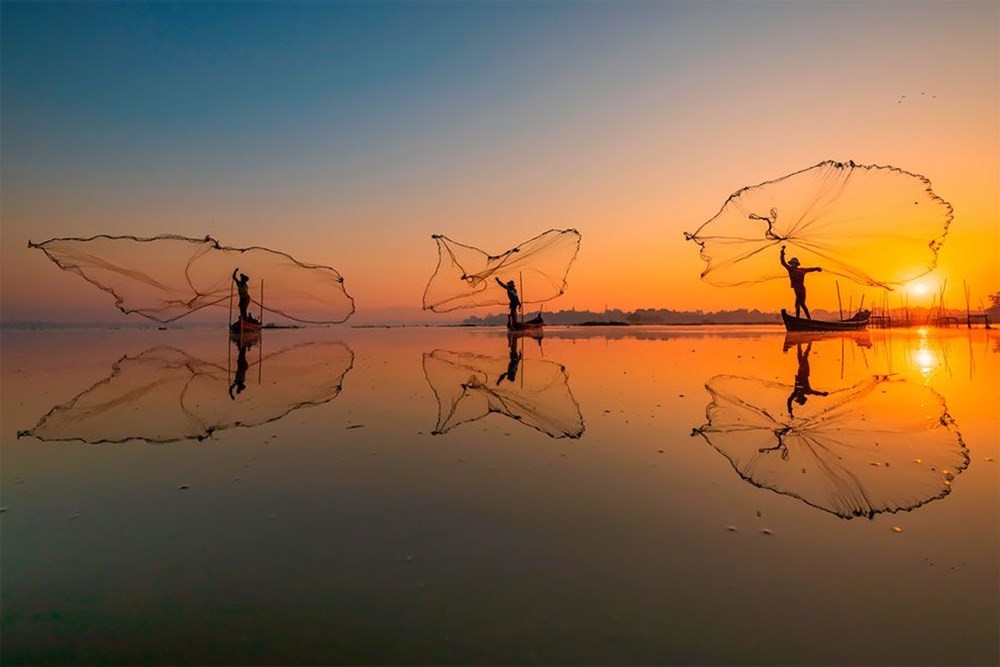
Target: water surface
{"x":445,"y":495}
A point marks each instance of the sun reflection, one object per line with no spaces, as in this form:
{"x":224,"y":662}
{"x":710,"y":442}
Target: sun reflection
{"x":925,"y":360}
{"x":923,"y":357}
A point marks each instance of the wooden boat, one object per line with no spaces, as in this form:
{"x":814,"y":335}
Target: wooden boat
{"x":532,"y":326}
{"x":242,"y":327}
{"x":856,"y":323}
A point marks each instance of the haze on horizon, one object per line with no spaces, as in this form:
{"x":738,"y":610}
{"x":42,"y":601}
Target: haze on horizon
{"x":347,"y":134}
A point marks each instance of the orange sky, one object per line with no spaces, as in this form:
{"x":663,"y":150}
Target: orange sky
{"x":618,"y":132}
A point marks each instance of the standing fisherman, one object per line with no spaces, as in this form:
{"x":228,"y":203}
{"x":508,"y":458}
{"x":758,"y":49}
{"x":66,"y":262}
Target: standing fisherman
{"x":514,"y":301}
{"x":243,"y":287}
{"x":797,"y":276}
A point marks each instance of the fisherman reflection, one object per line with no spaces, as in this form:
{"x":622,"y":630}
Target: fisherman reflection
{"x":514,"y":361}
{"x":243,"y":344}
{"x":802,"y":389}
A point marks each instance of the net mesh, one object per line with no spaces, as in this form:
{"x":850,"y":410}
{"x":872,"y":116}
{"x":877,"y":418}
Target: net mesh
{"x":876,"y":225}
{"x":471,"y":386}
{"x":165,"y":394}
{"x":465,"y":276}
{"x":880,"y":445}
{"x":165,"y":278}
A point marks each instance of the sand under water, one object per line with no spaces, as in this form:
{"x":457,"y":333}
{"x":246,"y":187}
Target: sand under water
{"x":446,"y":495}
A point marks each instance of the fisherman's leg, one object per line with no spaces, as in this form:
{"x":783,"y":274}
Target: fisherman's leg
{"x":805,"y":309}
{"x":800,"y":302}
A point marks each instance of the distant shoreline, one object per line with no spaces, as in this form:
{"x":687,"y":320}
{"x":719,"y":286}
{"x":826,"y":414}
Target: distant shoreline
{"x":103,"y":326}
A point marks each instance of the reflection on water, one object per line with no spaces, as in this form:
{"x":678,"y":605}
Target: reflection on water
{"x":534,"y":392}
{"x":165,"y":394}
{"x":882,"y":444}
{"x":861,"y":339}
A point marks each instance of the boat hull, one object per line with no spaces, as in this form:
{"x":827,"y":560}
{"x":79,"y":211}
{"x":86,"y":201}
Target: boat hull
{"x":533,"y":326}
{"x":244,"y":327}
{"x":793,"y":323}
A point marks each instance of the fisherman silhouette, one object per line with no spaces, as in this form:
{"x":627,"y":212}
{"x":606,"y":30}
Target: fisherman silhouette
{"x":515,"y":359}
{"x":243,"y":287}
{"x":797,"y":277}
{"x":515,"y":302}
{"x":242,"y":366}
{"x":802,"y":389}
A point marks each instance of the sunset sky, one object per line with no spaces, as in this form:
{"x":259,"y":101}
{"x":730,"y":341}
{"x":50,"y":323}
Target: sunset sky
{"x":347,"y":133}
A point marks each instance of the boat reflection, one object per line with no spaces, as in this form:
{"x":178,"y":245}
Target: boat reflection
{"x":862,"y":339}
{"x":471,"y":386}
{"x":880,"y":445}
{"x":165,"y":394}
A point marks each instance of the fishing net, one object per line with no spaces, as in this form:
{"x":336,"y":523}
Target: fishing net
{"x":534,"y":392}
{"x":166,"y":278}
{"x":876,"y":225}
{"x":165,"y":394}
{"x":881,"y":445}
{"x":465,"y":276}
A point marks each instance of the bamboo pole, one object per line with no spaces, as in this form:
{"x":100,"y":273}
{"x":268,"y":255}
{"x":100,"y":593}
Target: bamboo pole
{"x":262,"y":302}
{"x":968,"y":310}
{"x":230,"y":322}
{"x":840,"y":306}
{"x":520,"y":277}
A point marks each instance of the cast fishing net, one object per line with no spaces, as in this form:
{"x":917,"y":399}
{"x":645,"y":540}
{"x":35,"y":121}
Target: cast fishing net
{"x":465,"y":276}
{"x":165,"y":278}
{"x":876,"y":225}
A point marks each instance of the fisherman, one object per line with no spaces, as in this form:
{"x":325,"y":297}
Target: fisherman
{"x":797,"y":277}
{"x":243,"y":287}
{"x":514,"y":301}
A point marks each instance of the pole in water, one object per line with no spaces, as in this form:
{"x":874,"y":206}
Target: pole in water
{"x":261,"y":302}
{"x":520,"y":278}
{"x":840,"y":306}
{"x":968,"y":311}
{"x":229,"y":323}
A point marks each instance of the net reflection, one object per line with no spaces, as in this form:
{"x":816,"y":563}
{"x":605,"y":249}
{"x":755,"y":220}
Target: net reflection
{"x":880,"y":445}
{"x":534,"y":392}
{"x":165,"y":394}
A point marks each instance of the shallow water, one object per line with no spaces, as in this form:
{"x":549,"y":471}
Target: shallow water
{"x":436,"y":495}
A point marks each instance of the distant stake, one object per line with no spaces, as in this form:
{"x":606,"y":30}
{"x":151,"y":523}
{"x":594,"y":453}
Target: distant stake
{"x":262,"y":302}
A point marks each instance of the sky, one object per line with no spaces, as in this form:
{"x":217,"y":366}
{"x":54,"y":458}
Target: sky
{"x":346,"y":134}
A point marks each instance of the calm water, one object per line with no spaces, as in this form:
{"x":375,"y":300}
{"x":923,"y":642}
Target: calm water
{"x":641,"y":495}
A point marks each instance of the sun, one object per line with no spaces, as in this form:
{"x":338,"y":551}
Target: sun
{"x":919,"y":288}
